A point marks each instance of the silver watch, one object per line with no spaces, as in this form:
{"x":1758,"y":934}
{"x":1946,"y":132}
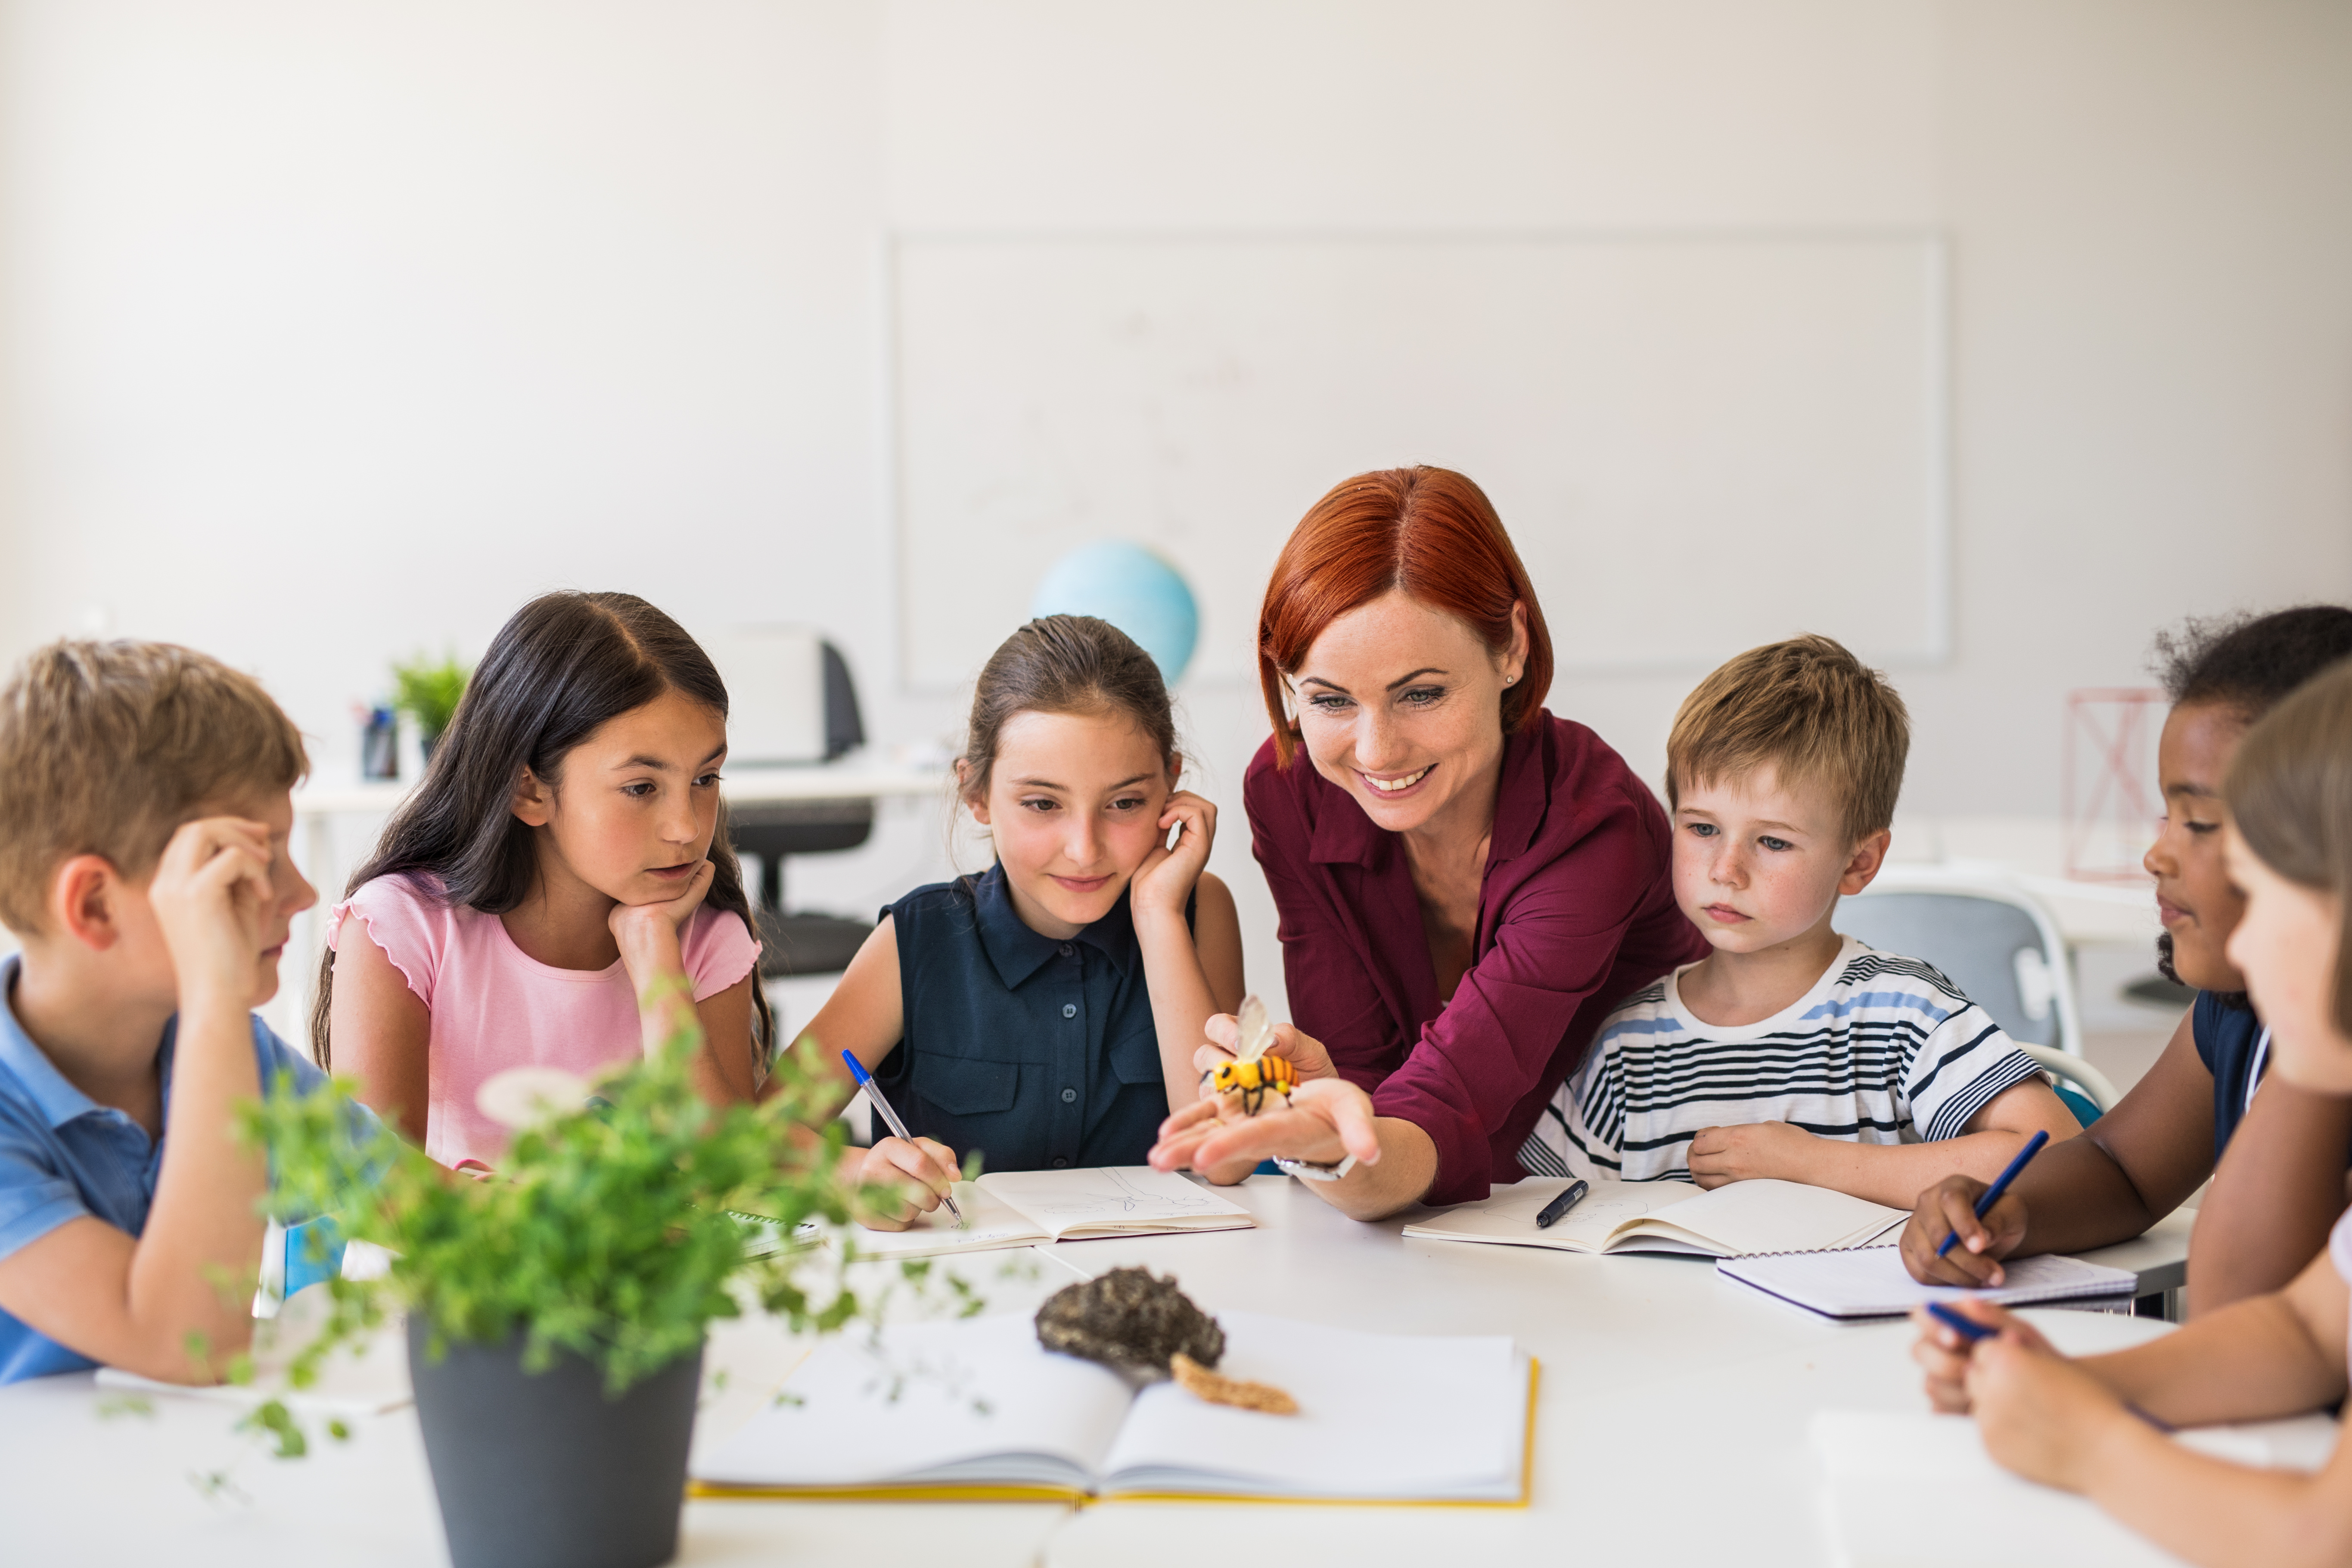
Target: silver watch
{"x":1309,"y":1171}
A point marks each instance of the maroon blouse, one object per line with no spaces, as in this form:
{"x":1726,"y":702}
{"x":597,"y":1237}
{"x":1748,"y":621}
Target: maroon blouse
{"x":1576,"y":913}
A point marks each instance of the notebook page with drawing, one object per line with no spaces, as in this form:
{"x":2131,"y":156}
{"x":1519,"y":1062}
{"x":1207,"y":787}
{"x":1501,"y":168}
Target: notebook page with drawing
{"x":1873,"y":1283}
{"x":1022,"y":1208}
{"x":1741,"y":1219}
{"x":978,"y":1408}
{"x":1116,"y":1200}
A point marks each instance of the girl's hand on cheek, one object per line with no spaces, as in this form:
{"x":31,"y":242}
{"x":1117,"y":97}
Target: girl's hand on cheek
{"x":2042,"y":1416}
{"x":637,"y":926}
{"x":1167,"y":876}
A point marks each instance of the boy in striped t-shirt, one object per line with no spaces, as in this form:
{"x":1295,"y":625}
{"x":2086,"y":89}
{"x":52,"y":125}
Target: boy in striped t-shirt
{"x":1791,"y":1051}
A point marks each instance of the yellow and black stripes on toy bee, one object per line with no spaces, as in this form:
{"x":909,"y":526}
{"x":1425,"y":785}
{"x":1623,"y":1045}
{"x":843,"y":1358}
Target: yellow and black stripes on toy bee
{"x":1254,"y":1080}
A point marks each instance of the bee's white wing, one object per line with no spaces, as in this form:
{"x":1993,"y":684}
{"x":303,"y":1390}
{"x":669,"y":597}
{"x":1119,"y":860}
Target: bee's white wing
{"x":1256,"y":1029}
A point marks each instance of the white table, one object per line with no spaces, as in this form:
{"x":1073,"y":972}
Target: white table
{"x":1652,"y":1371}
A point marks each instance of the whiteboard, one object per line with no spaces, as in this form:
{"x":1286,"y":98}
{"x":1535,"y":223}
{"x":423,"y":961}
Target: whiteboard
{"x":1698,"y":442}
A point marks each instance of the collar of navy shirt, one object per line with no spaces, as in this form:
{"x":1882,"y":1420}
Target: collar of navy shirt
{"x":1017,"y":953}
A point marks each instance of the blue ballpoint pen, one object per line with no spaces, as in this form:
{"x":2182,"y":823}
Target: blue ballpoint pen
{"x":1999,"y":1184}
{"x":874,"y":1097}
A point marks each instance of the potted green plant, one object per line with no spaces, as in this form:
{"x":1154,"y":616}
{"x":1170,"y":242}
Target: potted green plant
{"x":427,"y":691}
{"x":557,"y":1311}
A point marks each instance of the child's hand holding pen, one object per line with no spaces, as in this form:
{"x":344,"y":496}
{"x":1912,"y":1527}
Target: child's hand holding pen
{"x":2042,"y":1415}
{"x":1948,"y":1337}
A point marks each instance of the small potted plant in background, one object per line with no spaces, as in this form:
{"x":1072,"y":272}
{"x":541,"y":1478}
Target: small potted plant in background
{"x":557,"y":1310}
{"x":427,"y":691}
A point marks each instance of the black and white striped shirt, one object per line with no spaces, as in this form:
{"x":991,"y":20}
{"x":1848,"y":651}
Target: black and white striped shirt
{"x":1881,"y":1050}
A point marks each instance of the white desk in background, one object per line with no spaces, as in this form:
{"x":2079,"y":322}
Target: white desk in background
{"x":848,"y":780}
{"x":1653,"y":1373}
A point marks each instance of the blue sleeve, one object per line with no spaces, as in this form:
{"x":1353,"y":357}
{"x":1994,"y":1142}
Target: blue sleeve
{"x":2203,"y":1026}
{"x":34,"y":1196}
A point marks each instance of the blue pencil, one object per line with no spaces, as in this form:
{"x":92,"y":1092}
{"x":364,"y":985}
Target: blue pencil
{"x":1999,"y":1184}
{"x":874,"y":1097}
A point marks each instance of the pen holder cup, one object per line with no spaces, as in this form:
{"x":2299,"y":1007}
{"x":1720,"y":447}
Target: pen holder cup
{"x":540,"y":1467}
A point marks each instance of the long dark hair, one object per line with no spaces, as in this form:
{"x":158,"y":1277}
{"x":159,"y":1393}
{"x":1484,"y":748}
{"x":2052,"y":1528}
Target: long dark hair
{"x":564,"y":665}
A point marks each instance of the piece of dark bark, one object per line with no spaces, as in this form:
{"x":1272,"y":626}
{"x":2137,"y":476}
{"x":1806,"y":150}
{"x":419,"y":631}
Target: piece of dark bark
{"x":1130,"y":1318}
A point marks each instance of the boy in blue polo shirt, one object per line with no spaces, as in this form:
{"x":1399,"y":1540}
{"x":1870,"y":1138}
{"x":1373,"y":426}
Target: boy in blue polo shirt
{"x":144,"y":808}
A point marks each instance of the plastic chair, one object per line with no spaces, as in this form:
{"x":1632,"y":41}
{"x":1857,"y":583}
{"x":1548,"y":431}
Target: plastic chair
{"x":1994,"y":939}
{"x":1999,"y":946}
{"x":2087,"y":1092}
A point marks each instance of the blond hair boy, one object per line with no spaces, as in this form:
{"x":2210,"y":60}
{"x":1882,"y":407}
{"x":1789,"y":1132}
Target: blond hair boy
{"x":1791,"y":1051}
{"x":144,"y":808}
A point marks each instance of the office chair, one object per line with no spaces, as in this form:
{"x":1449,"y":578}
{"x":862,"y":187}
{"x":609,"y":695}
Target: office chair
{"x":791,"y":701}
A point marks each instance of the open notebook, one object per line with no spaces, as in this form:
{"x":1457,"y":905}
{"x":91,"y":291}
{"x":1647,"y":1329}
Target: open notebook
{"x":1872,"y":1463}
{"x":1740,"y":1220}
{"x":978,"y":1409}
{"x":1875,"y":1284}
{"x":1022,"y":1208}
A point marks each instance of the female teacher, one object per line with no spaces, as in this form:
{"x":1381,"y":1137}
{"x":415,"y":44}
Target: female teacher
{"x":1466,"y":884}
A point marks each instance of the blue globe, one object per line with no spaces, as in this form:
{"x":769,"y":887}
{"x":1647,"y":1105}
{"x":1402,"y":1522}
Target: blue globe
{"x":1134,"y":590}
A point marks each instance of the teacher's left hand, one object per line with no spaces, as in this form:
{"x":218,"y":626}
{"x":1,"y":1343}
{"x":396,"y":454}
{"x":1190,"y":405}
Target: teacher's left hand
{"x":1326,"y":1120}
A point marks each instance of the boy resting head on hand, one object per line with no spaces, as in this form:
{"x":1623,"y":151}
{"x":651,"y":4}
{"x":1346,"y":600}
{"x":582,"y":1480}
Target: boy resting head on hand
{"x":1791,"y":1051}
{"x":144,"y":808}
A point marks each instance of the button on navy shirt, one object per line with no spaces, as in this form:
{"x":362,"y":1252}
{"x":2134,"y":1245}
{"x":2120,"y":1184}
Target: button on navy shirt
{"x":1039,"y":1054}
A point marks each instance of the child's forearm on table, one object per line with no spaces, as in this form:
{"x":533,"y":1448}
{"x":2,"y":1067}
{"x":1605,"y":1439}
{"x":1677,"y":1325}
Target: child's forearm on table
{"x":1895,"y":1174}
{"x":2213,"y":1512}
{"x":2249,"y":1362}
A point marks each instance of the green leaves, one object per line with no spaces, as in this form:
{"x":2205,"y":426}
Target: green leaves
{"x":604,"y":1232}
{"x":427,"y":691}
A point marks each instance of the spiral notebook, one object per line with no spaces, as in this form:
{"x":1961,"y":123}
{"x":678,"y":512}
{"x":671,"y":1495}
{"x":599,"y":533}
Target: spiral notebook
{"x":979,"y":1411}
{"x":1875,"y":1284}
{"x":1741,"y":1220}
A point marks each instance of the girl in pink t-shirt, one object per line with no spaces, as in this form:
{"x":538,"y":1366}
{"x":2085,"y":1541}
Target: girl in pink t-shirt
{"x":2095,"y":1425}
{"x":562,"y":857}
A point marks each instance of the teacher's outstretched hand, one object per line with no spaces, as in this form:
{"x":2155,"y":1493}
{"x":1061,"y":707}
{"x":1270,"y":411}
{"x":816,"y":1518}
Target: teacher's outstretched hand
{"x":1327,"y":1120}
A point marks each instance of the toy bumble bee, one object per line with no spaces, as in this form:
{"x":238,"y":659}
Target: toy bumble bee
{"x":1253,"y":1075}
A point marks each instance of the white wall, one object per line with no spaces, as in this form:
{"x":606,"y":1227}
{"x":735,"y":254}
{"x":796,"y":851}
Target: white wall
{"x":332,"y":331}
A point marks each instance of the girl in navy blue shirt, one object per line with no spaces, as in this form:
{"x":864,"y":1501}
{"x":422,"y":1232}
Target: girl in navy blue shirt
{"x":1043,"y":1014}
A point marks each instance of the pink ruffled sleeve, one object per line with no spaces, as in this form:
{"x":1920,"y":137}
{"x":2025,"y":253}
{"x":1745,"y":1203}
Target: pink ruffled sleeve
{"x":408,"y":922}
{"x":719,"y":951}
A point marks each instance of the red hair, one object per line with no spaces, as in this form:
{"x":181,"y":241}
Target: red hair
{"x":1429,"y":532}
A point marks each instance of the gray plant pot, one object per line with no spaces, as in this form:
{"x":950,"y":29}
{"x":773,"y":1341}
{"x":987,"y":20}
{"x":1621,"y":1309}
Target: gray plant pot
{"x":542,"y":1469}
